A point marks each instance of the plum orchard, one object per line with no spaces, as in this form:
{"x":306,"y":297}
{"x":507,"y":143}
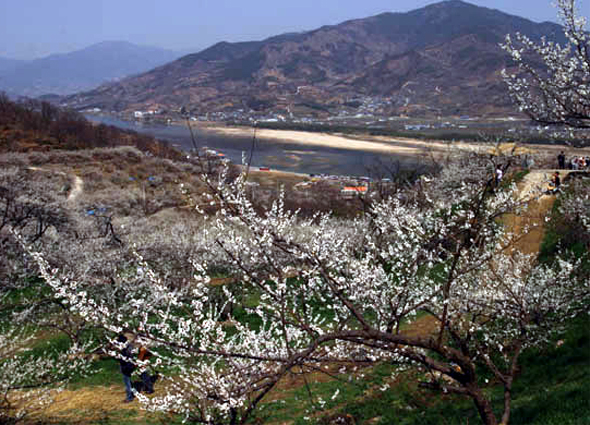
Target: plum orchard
{"x":27,"y":379}
{"x":330,"y":291}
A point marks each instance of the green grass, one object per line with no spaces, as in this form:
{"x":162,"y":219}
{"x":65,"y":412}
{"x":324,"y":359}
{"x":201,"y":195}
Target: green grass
{"x":104,"y":372}
{"x":518,"y":176}
{"x":555,"y":384}
{"x":564,"y":234}
{"x":364,"y":400}
{"x":553,"y":388}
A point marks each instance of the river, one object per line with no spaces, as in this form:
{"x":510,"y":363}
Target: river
{"x":278,"y":155}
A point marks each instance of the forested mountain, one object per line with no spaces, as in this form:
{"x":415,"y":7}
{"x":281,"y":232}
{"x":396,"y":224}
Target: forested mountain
{"x":442,"y":59}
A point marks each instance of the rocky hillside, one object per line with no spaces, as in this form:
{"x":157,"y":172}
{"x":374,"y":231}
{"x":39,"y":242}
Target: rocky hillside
{"x":441,"y":59}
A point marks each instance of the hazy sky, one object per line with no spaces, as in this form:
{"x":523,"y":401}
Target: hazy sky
{"x":35,"y":28}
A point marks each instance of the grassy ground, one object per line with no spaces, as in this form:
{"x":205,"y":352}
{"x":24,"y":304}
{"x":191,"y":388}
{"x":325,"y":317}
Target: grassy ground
{"x":552,"y":389}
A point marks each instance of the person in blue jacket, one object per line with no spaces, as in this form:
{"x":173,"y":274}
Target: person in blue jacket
{"x":127,"y":367}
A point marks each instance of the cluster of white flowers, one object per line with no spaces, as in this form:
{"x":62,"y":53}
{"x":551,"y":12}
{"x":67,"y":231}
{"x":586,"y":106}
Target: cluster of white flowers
{"x":559,"y":92}
{"x":249,"y":297}
{"x":235,"y":301}
{"x":27,"y":382}
{"x":577,"y":205}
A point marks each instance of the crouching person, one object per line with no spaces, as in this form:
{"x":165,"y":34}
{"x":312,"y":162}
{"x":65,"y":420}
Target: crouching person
{"x":555,"y":183}
{"x":146,"y":379}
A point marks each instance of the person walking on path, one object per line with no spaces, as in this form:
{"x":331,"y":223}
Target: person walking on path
{"x":126,"y":367}
{"x":561,"y":160}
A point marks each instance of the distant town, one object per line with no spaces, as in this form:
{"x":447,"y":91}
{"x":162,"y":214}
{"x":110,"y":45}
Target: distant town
{"x":365,"y":113}
{"x":368,"y":110}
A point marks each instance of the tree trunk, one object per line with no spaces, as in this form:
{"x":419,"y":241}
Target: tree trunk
{"x":483,"y":407}
{"x":507,"y":402}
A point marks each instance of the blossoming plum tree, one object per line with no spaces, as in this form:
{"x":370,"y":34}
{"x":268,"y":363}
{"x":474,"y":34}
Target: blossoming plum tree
{"x":553,"y":82}
{"x":333,"y":292}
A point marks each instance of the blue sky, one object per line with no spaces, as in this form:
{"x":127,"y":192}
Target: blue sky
{"x":36,"y":28}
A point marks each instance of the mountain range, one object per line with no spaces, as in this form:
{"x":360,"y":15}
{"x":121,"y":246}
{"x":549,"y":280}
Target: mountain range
{"x":80,"y":70}
{"x":443,"y":59}
{"x":9,"y":64}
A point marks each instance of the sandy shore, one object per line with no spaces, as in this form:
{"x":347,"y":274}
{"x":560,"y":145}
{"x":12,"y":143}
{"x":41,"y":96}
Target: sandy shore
{"x":405,"y":147}
{"x":376,"y":144}
{"x":367,"y":144}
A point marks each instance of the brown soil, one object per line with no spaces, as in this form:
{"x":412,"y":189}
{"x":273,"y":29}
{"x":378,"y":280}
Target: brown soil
{"x":89,"y":405}
{"x":532,"y":189}
{"x":423,"y":326}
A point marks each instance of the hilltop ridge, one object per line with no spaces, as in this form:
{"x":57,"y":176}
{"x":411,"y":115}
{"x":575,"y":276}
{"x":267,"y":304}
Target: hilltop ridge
{"x":442,"y":59}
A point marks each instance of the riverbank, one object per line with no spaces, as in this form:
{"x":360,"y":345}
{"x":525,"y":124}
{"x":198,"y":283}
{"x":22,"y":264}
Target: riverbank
{"x":290,"y":151}
{"x":375,"y":144}
{"x":399,"y":146}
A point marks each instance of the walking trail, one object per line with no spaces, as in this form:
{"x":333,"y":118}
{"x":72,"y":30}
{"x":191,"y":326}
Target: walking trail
{"x":77,"y":188}
{"x":533,"y":190}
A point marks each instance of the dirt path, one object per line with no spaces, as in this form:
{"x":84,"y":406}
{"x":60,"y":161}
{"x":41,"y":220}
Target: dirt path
{"x":90,"y":405}
{"x":533,"y":191}
{"x":78,"y":183}
{"x":535,"y":183}
{"x":77,"y":189}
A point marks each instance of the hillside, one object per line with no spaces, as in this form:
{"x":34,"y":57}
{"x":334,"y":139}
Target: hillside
{"x":79,"y":70}
{"x":41,"y":127}
{"x":92,"y":212}
{"x":441,"y":59}
{"x":551,"y":384}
